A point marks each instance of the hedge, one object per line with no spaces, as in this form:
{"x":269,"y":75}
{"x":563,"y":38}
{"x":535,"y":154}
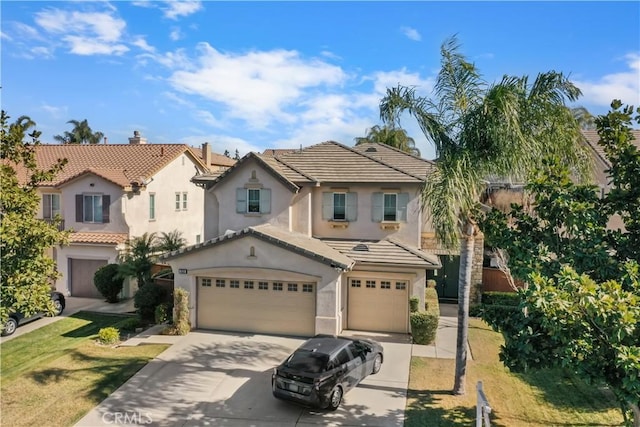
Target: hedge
{"x":501,"y":298}
{"x":423,"y":327}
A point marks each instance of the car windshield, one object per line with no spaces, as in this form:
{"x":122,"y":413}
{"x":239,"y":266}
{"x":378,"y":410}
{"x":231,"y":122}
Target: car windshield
{"x":307,"y":361}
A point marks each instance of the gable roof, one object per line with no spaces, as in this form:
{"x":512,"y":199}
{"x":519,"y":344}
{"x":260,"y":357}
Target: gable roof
{"x":122,"y":164}
{"x":385,"y":251}
{"x":398,"y":158}
{"x":592,"y":138}
{"x":216,"y":159}
{"x":295,"y":242}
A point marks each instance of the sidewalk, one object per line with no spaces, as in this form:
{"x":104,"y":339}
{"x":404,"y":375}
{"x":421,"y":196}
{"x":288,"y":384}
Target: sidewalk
{"x":445,"y":345}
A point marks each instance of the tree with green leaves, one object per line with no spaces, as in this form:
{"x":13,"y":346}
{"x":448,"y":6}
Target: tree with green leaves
{"x":80,"y":134}
{"x":391,"y":136}
{"x":584,"y":118}
{"x":171,"y":241}
{"x":581,"y":308}
{"x":481,"y":130}
{"x":27,"y":272}
{"x":138,"y":258}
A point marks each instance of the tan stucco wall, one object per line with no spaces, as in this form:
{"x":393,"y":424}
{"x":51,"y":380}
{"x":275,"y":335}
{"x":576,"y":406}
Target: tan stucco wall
{"x":225,"y":194}
{"x":364,"y":227}
{"x":269,"y":261}
{"x":175,"y":177}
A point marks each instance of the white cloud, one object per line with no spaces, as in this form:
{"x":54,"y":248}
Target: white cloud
{"x":176,"y":9}
{"x":411,"y":33}
{"x":257,"y":86}
{"x":208,"y":118}
{"x":175,"y":34}
{"x":624,"y":85}
{"x":86,"y":33}
{"x":141,"y":42}
{"x":55,"y":112}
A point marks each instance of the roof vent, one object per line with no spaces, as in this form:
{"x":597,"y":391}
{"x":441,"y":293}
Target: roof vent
{"x":361,"y":247}
{"x":371,"y":150}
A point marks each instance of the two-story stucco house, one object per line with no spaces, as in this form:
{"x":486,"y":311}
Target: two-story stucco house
{"x":109,"y":193}
{"x":309,"y":241}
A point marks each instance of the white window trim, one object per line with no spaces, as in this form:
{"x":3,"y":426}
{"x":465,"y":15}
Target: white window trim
{"x":248,"y":201}
{"x":52,"y":213}
{"x":152,"y":206}
{"x":84,"y":204}
{"x":395,"y":210}
{"x":334,"y":206}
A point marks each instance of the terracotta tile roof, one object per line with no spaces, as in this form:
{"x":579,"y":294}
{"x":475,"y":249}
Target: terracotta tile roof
{"x":405,"y":161}
{"x":384,"y":252}
{"x":330,"y":161}
{"x":295,"y":242}
{"x":216,"y":159}
{"x":121,"y":164}
{"x":592,"y":139}
{"x":98,"y":238}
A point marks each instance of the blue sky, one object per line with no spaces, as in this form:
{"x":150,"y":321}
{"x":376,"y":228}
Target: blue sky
{"x":256,"y":75}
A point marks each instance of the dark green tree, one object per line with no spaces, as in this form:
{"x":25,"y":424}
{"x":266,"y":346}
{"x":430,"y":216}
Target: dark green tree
{"x":80,"y":134}
{"x":226,"y":153}
{"x":581,"y":308}
{"x":236,"y":156}
{"x":392,"y":136}
{"x":138,"y":258}
{"x":480,"y":130}
{"x":27,"y":272}
{"x":171,"y":241}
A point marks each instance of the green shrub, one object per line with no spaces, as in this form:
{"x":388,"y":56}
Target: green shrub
{"x":163,"y":313}
{"x":423,"y":327}
{"x":501,"y":298}
{"x":432,"y":305}
{"x":414,"y":303}
{"x":148,"y":297}
{"x":181,"y":311}
{"x":475,"y":310}
{"x":108,"y":281}
{"x":497,"y":316}
{"x":108,"y":336}
{"x":130,"y":324}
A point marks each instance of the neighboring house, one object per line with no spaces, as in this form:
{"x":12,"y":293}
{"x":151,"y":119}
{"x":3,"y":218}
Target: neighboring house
{"x":601,"y":164}
{"x":109,"y":193}
{"x":217,"y":163}
{"x":315,"y":240}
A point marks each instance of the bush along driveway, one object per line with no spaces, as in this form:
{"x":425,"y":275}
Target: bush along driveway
{"x":54,"y":375}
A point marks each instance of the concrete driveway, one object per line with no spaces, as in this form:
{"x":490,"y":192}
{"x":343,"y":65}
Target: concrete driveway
{"x":224,"y":379}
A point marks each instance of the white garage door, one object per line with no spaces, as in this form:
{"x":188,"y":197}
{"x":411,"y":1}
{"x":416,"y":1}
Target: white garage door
{"x":287,"y":308}
{"x":378,"y":305}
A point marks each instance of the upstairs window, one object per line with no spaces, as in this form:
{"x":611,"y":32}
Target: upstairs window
{"x":339,"y":206}
{"x":177,"y":201}
{"x":389,"y":207}
{"x":152,"y":206}
{"x":184,"y":201}
{"x":92,"y":208}
{"x":253,"y":200}
{"x":50,"y":205}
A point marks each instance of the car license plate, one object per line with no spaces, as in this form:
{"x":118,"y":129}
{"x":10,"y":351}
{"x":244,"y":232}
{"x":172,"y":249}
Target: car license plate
{"x":293,"y":388}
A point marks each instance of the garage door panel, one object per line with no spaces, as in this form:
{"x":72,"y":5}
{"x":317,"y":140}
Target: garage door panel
{"x":256,"y":310}
{"x":81,"y":273}
{"x":378,"y":305}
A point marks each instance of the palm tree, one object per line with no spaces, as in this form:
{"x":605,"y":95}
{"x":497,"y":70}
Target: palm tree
{"x":392,"y":136}
{"x":171,"y":241}
{"x":138,"y":257}
{"x":480,"y":130}
{"x":80,"y":134}
{"x":585,"y":119}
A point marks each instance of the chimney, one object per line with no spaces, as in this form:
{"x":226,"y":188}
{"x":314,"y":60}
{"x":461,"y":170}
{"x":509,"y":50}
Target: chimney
{"x":105,"y":140}
{"x":206,"y":154}
{"x":137,"y":139}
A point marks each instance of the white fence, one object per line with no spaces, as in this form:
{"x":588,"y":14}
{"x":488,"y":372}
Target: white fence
{"x":483,"y":409}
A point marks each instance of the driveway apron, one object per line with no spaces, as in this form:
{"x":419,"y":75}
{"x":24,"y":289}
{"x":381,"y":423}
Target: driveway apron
{"x":224,"y":379}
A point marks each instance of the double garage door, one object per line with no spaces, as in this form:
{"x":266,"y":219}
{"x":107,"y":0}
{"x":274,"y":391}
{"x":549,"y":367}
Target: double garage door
{"x":378,"y":305}
{"x":250,"y":305}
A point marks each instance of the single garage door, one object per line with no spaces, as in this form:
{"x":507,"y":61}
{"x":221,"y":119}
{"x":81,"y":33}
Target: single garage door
{"x":378,"y":305}
{"x":287,"y":308}
{"x":81,"y":272}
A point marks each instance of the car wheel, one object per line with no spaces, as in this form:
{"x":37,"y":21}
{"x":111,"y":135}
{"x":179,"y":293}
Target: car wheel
{"x":335,"y":399}
{"x":377,"y":364}
{"x":9,"y":327}
{"x":58,"y":307}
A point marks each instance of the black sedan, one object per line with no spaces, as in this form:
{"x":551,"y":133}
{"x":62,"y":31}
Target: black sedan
{"x":17,"y":319}
{"x":325,"y":367}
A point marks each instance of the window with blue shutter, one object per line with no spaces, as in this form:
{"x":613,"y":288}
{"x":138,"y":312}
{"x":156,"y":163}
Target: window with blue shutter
{"x":352,"y":207}
{"x":253,"y":200}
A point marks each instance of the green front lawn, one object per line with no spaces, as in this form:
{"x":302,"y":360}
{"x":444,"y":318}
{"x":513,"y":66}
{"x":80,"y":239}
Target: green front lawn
{"x":546,"y":398}
{"x":54,"y":375}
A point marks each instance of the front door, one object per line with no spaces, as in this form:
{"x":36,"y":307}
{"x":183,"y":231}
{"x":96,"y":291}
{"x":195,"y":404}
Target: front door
{"x":447,"y":277}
